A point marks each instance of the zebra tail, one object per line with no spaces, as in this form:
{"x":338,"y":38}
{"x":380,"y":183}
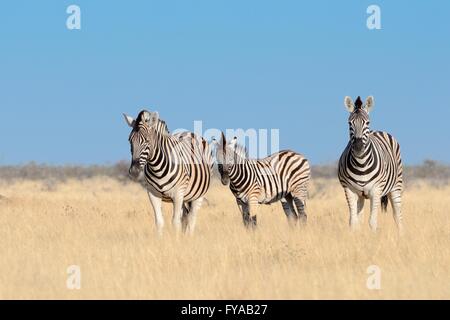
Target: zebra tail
{"x":384,"y":203}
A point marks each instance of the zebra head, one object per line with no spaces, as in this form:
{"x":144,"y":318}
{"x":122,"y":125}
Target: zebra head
{"x":359,"y":122}
{"x":225,"y":157}
{"x":140,"y":140}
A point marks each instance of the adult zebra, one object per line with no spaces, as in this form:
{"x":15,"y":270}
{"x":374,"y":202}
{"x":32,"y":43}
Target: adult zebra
{"x":370,"y":166}
{"x":283,"y":176}
{"x":177,"y":168}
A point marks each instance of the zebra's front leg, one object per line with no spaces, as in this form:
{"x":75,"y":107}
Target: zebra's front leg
{"x":396,"y":202}
{"x":156,"y":204}
{"x":251,"y":216}
{"x":352,"y":201}
{"x":177,"y":212}
{"x":360,"y":207}
{"x":243,"y":208}
{"x":375,"y":201}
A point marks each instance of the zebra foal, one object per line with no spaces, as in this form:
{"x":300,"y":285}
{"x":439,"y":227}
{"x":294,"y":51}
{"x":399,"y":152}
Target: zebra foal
{"x":282,"y":176}
{"x":370,"y":167}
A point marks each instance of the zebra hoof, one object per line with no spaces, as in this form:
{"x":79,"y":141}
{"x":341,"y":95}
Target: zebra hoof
{"x":303,"y":219}
{"x":251,"y":222}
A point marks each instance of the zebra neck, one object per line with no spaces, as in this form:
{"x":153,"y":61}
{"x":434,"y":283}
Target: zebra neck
{"x":158,"y":154}
{"x":239,"y":173}
{"x":363,"y":157}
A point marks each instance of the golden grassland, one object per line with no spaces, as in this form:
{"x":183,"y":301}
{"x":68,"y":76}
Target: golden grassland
{"x":107,"y":229}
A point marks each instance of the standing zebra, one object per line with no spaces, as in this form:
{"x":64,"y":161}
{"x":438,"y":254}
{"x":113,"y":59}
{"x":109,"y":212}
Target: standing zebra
{"x":370,"y":167}
{"x":283,"y":176}
{"x":177,"y":168}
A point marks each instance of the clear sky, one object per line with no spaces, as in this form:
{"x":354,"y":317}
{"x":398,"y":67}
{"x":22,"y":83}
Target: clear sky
{"x":229,"y":63}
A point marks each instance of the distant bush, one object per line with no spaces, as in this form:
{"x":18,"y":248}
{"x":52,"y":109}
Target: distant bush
{"x":55,"y":174}
{"x":429,"y":170}
{"x":328,"y":171}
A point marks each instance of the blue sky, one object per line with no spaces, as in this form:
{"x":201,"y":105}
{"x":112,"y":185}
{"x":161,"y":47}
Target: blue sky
{"x":231,"y":64}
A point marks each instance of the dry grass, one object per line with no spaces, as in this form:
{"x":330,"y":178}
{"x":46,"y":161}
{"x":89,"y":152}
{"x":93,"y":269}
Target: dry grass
{"x":104,"y":227}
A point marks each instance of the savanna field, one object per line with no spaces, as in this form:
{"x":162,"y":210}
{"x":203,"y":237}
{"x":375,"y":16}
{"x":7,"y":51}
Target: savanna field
{"x":106,"y":227}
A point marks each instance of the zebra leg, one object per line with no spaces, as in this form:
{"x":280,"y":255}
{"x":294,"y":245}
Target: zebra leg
{"x":192,"y":215}
{"x":250,"y":220}
{"x":244,"y":208}
{"x":289,"y":210}
{"x":360,"y":207}
{"x":177,"y":213}
{"x":184,"y":218}
{"x":396,"y":202}
{"x":156,"y":204}
{"x":352,"y":200}
{"x":375,"y":201}
{"x":300,"y":203}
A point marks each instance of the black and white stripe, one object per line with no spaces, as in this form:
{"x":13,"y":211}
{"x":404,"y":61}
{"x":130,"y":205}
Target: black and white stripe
{"x":370,"y":166}
{"x":176,"y":168}
{"x":283,"y":176}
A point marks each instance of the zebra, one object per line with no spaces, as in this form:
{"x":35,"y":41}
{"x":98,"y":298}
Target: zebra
{"x":282,"y":176}
{"x":176,"y":168}
{"x":370,"y":167}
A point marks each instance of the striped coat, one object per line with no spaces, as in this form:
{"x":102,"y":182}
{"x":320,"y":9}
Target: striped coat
{"x":176,"y":168}
{"x":283,"y":176}
{"x":370,"y":166}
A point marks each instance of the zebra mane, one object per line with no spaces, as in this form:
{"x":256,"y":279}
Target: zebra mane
{"x":161,"y":127}
{"x":358,"y":103}
{"x":240,"y":151}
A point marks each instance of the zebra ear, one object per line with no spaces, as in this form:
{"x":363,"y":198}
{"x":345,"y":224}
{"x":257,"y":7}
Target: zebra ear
{"x":214,"y":146}
{"x":369,"y":104}
{"x":129,"y":120}
{"x":349,"y":104}
{"x":213,"y":143}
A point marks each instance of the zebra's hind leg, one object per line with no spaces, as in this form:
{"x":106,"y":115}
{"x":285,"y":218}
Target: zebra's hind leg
{"x":289,"y":210}
{"x":190,"y":215}
{"x":396,"y":201}
{"x":299,"y":201}
{"x":300,"y":204}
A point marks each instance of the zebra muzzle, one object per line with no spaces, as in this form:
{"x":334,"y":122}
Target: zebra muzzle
{"x":225,"y":180}
{"x":134,"y":172}
{"x":358,"y":144}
